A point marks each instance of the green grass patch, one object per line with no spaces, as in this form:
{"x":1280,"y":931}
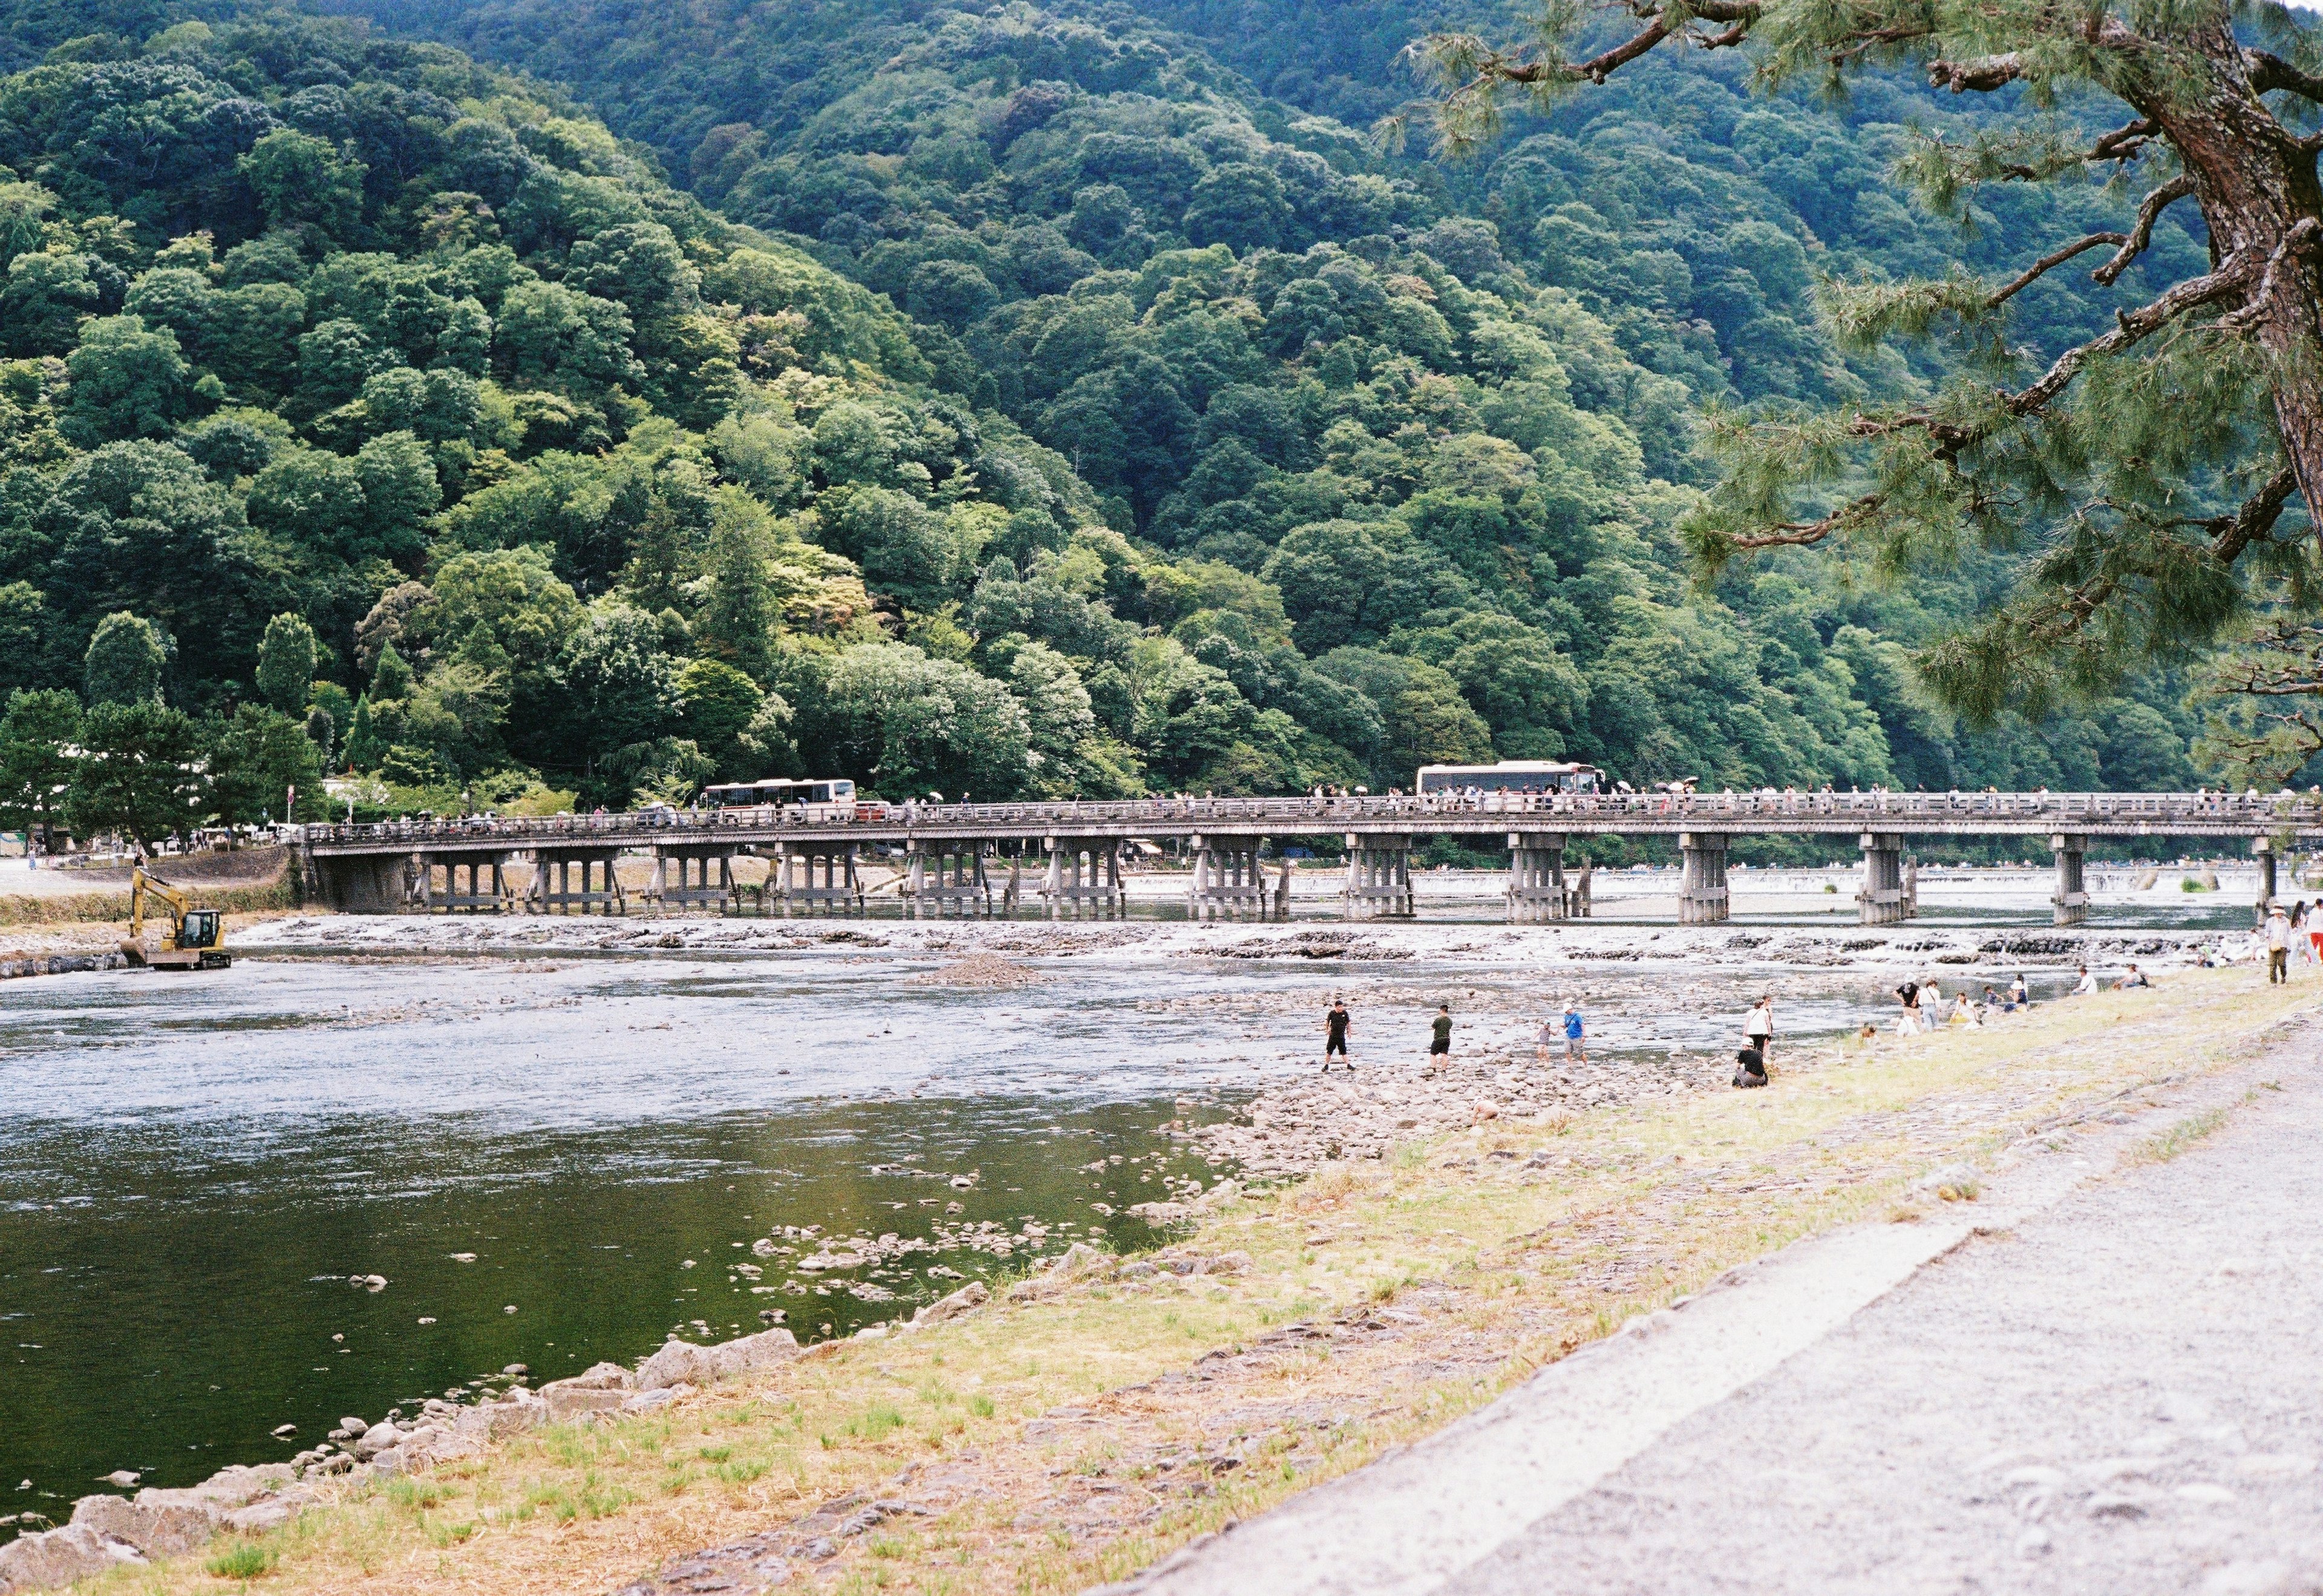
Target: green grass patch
{"x":244,"y":1559}
{"x":2168,"y":1145}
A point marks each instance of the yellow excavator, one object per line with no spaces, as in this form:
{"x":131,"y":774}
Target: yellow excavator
{"x":193,"y":937}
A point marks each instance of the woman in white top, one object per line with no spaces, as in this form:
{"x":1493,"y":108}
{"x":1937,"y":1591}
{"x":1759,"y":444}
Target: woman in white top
{"x":1758,"y":1025}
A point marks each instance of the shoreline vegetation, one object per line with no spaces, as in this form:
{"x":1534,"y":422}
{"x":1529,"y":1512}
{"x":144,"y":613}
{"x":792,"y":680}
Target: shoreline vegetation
{"x":1095,"y":1413}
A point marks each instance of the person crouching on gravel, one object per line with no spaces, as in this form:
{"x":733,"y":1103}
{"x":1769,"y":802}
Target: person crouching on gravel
{"x":1750,"y":1069}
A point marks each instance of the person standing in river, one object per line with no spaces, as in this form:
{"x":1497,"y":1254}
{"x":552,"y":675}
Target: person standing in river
{"x":1439,"y":1043}
{"x":1335,"y":1034}
{"x":1759,"y":1026}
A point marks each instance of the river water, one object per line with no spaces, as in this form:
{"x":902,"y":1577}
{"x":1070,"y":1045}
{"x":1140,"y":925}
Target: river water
{"x":204,"y":1178}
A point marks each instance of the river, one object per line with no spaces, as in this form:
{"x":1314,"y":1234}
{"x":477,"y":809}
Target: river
{"x":555,"y":1142}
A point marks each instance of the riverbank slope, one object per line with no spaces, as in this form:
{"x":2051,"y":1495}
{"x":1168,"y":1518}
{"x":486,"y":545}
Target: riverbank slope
{"x":1101,"y":1414}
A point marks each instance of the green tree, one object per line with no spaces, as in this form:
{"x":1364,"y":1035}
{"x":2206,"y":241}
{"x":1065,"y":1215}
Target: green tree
{"x":286,"y":663}
{"x":124,"y":662}
{"x":138,"y":775}
{"x":719,"y":705}
{"x":300,"y":181}
{"x":37,"y":737}
{"x":262,"y":765}
{"x":127,"y":382}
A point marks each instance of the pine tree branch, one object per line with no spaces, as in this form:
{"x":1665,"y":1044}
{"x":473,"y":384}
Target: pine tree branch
{"x":2049,"y":263}
{"x":2133,"y":326}
{"x":1983,"y":74}
{"x":2141,"y":233}
{"x":2269,"y":72}
{"x":2230,"y":535}
{"x":2125,"y":142}
{"x":1799,"y":533}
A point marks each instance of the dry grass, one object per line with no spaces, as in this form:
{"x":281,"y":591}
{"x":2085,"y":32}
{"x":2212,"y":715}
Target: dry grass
{"x":1072,"y":1441}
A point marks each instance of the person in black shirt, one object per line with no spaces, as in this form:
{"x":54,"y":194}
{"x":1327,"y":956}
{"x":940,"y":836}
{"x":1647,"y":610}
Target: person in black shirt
{"x":1334,"y":1035}
{"x":1908,"y":995}
{"x":1749,"y":1067}
{"x":1440,"y":1044}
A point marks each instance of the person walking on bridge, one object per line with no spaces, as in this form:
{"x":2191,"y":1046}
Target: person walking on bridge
{"x":1335,"y":1034}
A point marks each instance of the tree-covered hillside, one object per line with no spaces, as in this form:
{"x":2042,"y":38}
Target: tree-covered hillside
{"x":1018,"y":402}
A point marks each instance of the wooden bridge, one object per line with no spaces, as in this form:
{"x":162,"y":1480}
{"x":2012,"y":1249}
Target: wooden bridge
{"x":984,"y":857}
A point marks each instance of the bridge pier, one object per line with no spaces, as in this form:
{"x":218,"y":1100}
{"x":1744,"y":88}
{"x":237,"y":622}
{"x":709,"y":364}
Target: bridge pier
{"x":552,"y":891}
{"x":1229,"y":879}
{"x":2262,"y":850}
{"x":946,"y":875}
{"x":1083,"y":870}
{"x":1891,"y":890}
{"x":360,"y":883}
{"x":485,"y":889}
{"x":815,"y":873}
{"x":2071,"y":898}
{"x":1379,"y":877}
{"x":1702,"y":895}
{"x":1537,"y":889}
{"x":695,"y":884}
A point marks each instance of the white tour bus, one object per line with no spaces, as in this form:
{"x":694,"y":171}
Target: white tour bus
{"x":826,"y":799}
{"x":1514,"y":776}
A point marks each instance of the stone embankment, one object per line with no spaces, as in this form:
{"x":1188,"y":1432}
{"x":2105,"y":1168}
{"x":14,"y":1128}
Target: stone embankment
{"x":108,"y":1531}
{"x":15,"y":965}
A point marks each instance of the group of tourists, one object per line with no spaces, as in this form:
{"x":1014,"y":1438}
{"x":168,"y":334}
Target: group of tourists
{"x":1337,"y":1018}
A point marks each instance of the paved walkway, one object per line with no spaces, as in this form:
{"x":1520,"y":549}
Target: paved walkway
{"x":2116,"y":1385}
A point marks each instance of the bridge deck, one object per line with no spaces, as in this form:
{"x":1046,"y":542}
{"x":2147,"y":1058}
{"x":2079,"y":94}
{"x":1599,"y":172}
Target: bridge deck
{"x":2211,"y":816}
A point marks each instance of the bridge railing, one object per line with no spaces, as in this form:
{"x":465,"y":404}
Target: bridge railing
{"x":1895,"y":811}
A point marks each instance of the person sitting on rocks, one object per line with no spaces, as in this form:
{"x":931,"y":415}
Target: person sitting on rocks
{"x":1750,"y":1069}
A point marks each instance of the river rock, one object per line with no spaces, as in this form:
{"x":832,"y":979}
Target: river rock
{"x":163,"y":1526}
{"x":967,"y":1298}
{"x":376,"y":1440}
{"x":59,"y":1557}
{"x":699,"y":1365}
{"x":513,"y":1413}
{"x":567,"y":1401}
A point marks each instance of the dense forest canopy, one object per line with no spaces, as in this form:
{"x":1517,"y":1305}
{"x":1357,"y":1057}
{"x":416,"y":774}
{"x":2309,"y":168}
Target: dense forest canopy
{"x":990,"y":399}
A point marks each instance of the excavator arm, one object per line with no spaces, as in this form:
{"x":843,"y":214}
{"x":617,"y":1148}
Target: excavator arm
{"x":193,"y":937}
{"x":142,"y":887}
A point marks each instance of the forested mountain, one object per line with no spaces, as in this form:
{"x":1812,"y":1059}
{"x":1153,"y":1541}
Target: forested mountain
{"x":1006,"y":400}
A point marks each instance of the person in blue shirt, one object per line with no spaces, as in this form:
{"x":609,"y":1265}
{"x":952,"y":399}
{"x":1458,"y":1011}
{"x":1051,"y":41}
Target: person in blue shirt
{"x":1576,"y":1034}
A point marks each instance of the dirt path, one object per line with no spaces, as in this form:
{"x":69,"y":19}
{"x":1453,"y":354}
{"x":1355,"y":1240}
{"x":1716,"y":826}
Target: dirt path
{"x":2110,"y":1384}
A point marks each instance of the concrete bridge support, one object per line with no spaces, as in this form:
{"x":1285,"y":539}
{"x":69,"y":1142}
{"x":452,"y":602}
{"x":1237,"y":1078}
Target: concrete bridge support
{"x":1379,"y":877}
{"x":1083,"y":872}
{"x":476,"y":884}
{"x":941,"y":876}
{"x":702,"y":876}
{"x":1702,"y":895}
{"x":552,"y":891}
{"x":1229,"y":878}
{"x":2262,"y":850}
{"x":1537,"y":889}
{"x":1890,"y":894}
{"x":812,"y":874}
{"x":360,"y":883}
{"x":2071,"y":898}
